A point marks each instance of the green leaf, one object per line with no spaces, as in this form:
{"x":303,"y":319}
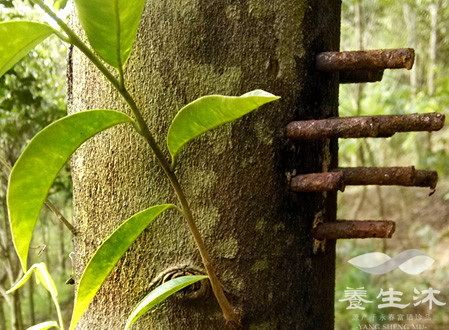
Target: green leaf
{"x":17,"y":38}
{"x":59,"y":4}
{"x":209,"y":112}
{"x":111,"y":27}
{"x":107,"y":256}
{"x":44,"y":277}
{"x":40,"y":162}
{"x":41,"y":269}
{"x":44,"y":326}
{"x":161,"y":293}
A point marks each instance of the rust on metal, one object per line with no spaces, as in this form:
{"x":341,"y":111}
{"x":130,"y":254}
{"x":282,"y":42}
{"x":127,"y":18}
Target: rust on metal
{"x":364,"y":126}
{"x":327,"y":181}
{"x":354,"y":229}
{"x":339,"y":178}
{"x":398,"y":176}
{"x":366,"y":60}
{"x":360,"y":76}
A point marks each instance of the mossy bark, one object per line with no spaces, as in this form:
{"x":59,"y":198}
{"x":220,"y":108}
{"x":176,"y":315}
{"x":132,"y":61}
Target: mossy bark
{"x":235,"y":177}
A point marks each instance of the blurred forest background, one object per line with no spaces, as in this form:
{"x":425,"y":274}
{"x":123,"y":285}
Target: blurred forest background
{"x":421,"y":220}
{"x":33,"y":94}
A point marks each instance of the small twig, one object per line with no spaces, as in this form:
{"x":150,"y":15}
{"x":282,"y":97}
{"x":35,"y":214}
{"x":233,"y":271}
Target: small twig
{"x":5,"y":163}
{"x":41,"y":248}
{"x":5,"y":296}
{"x":59,"y":215}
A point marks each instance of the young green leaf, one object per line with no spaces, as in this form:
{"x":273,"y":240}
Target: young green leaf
{"x":161,"y":293}
{"x":107,"y":256}
{"x":111,"y":27}
{"x":17,"y":38}
{"x":209,"y":112}
{"x":59,"y":4}
{"x":44,"y":277}
{"x":40,"y":162}
{"x":44,"y":326}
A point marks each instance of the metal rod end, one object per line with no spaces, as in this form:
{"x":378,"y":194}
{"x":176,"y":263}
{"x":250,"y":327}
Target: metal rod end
{"x":354,"y":229}
{"x":327,"y":181}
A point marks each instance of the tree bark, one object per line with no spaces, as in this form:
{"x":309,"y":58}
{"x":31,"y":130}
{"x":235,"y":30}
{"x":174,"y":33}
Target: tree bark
{"x":236,"y":177}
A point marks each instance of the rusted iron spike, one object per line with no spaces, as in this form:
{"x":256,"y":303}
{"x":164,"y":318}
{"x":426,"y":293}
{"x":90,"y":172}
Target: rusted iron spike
{"x":366,"y":60}
{"x":397,"y":176}
{"x":360,"y":76}
{"x":327,"y":181}
{"x":354,"y":229}
{"x":339,"y":178}
{"x":364,"y":126}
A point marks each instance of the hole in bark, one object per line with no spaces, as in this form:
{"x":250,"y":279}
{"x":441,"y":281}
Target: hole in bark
{"x":199,"y":289}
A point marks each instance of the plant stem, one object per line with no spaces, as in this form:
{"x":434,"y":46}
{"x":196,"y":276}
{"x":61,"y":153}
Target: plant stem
{"x":143,"y":129}
{"x":5,"y":164}
{"x":59,"y":215}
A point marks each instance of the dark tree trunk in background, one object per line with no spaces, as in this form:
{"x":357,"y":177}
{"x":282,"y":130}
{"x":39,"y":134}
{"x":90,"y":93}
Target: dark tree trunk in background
{"x":236,"y":177}
{"x":16,"y":311}
{"x":2,"y":315}
{"x":31,"y":310}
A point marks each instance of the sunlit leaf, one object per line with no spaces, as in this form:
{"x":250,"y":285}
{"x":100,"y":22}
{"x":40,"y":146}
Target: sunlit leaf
{"x":161,"y":293}
{"x":111,"y":27}
{"x":59,"y":4}
{"x":211,"y":111}
{"x":40,"y":162}
{"x":43,"y":277}
{"x":107,"y":256}
{"x":44,"y":326}
{"x":17,"y":38}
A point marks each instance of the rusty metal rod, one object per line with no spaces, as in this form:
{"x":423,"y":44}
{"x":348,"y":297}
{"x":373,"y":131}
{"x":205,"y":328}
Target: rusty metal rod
{"x":364,"y":126}
{"x":366,"y":60}
{"x":339,"y":178}
{"x":397,"y":176}
{"x":327,"y":181}
{"x":360,"y":76}
{"x":354,"y":229}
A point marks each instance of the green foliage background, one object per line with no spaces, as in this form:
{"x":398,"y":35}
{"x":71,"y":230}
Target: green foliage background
{"x":421,"y":221}
{"x":32,"y":95}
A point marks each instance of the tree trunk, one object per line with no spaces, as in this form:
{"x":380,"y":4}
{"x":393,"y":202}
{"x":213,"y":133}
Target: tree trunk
{"x":16,"y":311}
{"x":11,"y":267}
{"x":410,"y":20}
{"x":2,"y":316}
{"x":236,"y":177}
{"x":433,"y":12}
{"x":31,"y":311}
